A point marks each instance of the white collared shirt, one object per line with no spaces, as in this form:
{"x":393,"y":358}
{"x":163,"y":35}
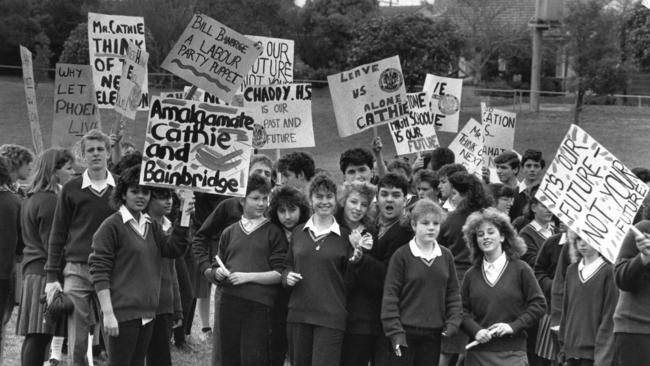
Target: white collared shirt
{"x":250,"y":225}
{"x":544,"y":231}
{"x":333,"y":228}
{"x":139,"y":226}
{"x":493,"y":270}
{"x":522,"y":186}
{"x":587,"y":270}
{"x":166,"y":224}
{"x":98,"y":186}
{"x":448,"y":206}
{"x":563,"y":239}
{"x":415,"y":250}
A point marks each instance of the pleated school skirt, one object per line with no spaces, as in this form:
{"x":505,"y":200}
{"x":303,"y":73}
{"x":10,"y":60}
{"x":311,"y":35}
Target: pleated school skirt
{"x":503,"y":358}
{"x":31,"y":318}
{"x":547,"y":343}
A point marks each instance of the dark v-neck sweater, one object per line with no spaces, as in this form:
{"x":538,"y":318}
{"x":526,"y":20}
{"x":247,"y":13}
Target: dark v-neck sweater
{"x":78,"y":214}
{"x":515,"y":299}
{"x":36,"y":221}
{"x":534,"y":241}
{"x":262,"y":250}
{"x":129,"y":264}
{"x":10,"y":236}
{"x":420,"y":295}
{"x":320,"y":297}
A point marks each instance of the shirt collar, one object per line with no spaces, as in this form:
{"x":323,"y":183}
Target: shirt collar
{"x":563,"y":239}
{"x":522,"y":186}
{"x":544,"y":231}
{"x":166,"y":223}
{"x":415,"y":250}
{"x":334,"y":228}
{"x":498,"y":263}
{"x":591,"y":267}
{"x":86,"y":182}
{"x":448,"y":206}
{"x":127,"y":216}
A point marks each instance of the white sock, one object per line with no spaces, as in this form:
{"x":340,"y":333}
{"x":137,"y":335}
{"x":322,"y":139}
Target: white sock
{"x":56,"y":348}
{"x":89,"y":353}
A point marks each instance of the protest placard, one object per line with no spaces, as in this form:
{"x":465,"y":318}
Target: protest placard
{"x":498,"y":131}
{"x":274,"y":66}
{"x":368,"y":95}
{"x":416,"y":131}
{"x":108,"y":43}
{"x":284,"y":112}
{"x":134,"y":73}
{"x":212,"y":56}
{"x":30,"y":98}
{"x":202,"y":96}
{"x":174,"y":94}
{"x":592,"y":192}
{"x":468,"y":147}
{"x":198,"y":146}
{"x":444,"y":101}
{"x":75,"y":107}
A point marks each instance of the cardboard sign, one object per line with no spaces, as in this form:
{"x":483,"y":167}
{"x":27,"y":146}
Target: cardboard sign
{"x":108,"y":44}
{"x":202,"y":96}
{"x":174,"y":94}
{"x":212,"y":56}
{"x":284,"y":113}
{"x":197,"y":146}
{"x":134,"y":74}
{"x":274,"y":66}
{"x":499,"y":132}
{"x":416,"y":132}
{"x":592,"y":192}
{"x":444,"y":101}
{"x":367,"y":96}
{"x":75,"y":107}
{"x":30,"y":98}
{"x":468,"y":147}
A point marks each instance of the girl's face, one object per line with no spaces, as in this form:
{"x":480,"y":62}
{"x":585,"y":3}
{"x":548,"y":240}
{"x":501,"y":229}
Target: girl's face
{"x":255,"y":204}
{"x":504,"y":204}
{"x":489,"y":238}
{"x":542,"y":214}
{"x":355,"y":207}
{"x":323,"y":202}
{"x":24,"y":171}
{"x":64,"y":174}
{"x":288,"y":216}
{"x":136,"y":198}
{"x":425,"y":190}
{"x":426,"y":228}
{"x":160,"y":206}
{"x":585,"y":249}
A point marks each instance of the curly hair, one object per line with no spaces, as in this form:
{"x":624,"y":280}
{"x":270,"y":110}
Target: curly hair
{"x":393,"y":180}
{"x":471,"y":188}
{"x":364,"y":189}
{"x":297,"y":162}
{"x":427,"y":176}
{"x":400,"y":163}
{"x":513,"y":245}
{"x":129,"y":178}
{"x":16,"y":155}
{"x":48,"y":163}
{"x":5,"y":173}
{"x":257,"y":183}
{"x":356,"y":156}
{"x":287,"y":196}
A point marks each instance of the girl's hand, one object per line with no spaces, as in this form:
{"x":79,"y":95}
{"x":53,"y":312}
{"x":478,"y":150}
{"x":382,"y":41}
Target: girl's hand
{"x":500,"y":329}
{"x":110,"y":325}
{"x":377,"y":145}
{"x":483,"y":336}
{"x":293,"y":278}
{"x":356,"y":256}
{"x":221,"y":274}
{"x":366,"y":242}
{"x":239,"y":278}
{"x":355,"y":237}
{"x":643,"y":244}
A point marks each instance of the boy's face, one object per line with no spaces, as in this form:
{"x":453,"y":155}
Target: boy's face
{"x":261,"y":169}
{"x":358,"y":173}
{"x":292,"y":179}
{"x":160,"y":206}
{"x":506,"y":173}
{"x":255,"y":204}
{"x":95,"y":154}
{"x":390,"y":202}
{"x":445,"y":188}
{"x":532,"y":169}
{"x":426,"y":190}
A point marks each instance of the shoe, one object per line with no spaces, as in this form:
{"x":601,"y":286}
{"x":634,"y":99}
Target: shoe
{"x":184,"y":347}
{"x":206,"y":335}
{"x":54,"y":362}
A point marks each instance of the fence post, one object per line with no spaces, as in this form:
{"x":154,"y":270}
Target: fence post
{"x":514,"y":101}
{"x":640,"y":103}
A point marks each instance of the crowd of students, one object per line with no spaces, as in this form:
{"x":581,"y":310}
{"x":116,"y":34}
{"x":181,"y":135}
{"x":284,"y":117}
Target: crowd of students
{"x":399,"y":264}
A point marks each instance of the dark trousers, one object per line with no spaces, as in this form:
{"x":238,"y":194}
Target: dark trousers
{"x":422,"y":350}
{"x":130,"y":346}
{"x":312,"y":345}
{"x":631,"y":349}
{"x":245,"y":330}
{"x":279,"y":342}
{"x":5,"y":307}
{"x":579,"y":362}
{"x":187,"y":296}
{"x":34,"y":348}
{"x":358,"y":349}
{"x":159,"y":353}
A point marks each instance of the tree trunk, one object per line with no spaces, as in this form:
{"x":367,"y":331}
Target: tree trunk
{"x":580,"y":96}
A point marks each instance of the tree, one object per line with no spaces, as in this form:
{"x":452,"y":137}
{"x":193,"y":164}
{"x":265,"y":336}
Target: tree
{"x":423,"y":45}
{"x":593,"y":48}
{"x":637,"y":40}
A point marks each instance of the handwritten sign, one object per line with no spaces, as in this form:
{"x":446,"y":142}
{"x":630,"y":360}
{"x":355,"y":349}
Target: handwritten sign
{"x":30,"y":98}
{"x":444,"y":101}
{"x":198,"y":146}
{"x":212,"y":56}
{"x":499,"y":132}
{"x":134,"y":74}
{"x":75,"y":107}
{"x":368,"y":96}
{"x":284,"y":113}
{"x":174,"y":94}
{"x":416,"y":131}
{"x":108,"y":43}
{"x":468,"y":147}
{"x":274,"y":66}
{"x":202,"y":96}
{"x":592,"y":192}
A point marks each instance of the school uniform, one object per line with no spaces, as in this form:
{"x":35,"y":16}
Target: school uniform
{"x":317,"y":305}
{"x":124,"y":248}
{"x":505,"y":291}
{"x":586,"y":327}
{"x":417,"y":321}
{"x":520,"y":201}
{"x":10,"y":243}
{"x":81,"y":208}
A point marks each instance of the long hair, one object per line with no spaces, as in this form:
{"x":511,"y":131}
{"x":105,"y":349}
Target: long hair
{"x":287,"y":196}
{"x":45,"y":179}
{"x":473,"y":191}
{"x":512,"y":244}
{"x":364,"y":189}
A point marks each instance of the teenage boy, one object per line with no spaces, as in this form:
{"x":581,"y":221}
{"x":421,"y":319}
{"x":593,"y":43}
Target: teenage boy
{"x":444,"y":187}
{"x":532,"y":166}
{"x":370,"y":269}
{"x":508,"y":165}
{"x":356,"y":165}
{"x":82,"y":206}
{"x":296,"y":170}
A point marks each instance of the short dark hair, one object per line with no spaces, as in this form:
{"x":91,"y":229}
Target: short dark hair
{"x":534,"y":155}
{"x":642,"y":173}
{"x":399,"y":163}
{"x":468,"y":185}
{"x":161,"y":193}
{"x":499,"y":190}
{"x":16,"y":155}
{"x":393,"y":180}
{"x":129,"y":178}
{"x":532,"y":200}
{"x":297,"y":162}
{"x":356,"y":156}
{"x":448,"y":169}
{"x":257,"y":183}
{"x":438,"y":157}
{"x":428,"y":176}
{"x":508,"y":157}
{"x":127,"y":161}
{"x":321,"y":181}
{"x":287,"y":196}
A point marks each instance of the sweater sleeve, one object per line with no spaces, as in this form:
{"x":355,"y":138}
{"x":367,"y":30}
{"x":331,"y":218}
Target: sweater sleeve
{"x":557,"y":288}
{"x":629,"y":268}
{"x":453,"y":306}
{"x":174,"y":245}
{"x":531,"y":252}
{"x":45,"y":216}
{"x":390,"y":315}
{"x":58,"y":234}
{"x":288,"y":260}
{"x":278,"y":246}
{"x":201,"y":241}
{"x":563,"y":314}
{"x":102,"y":258}
{"x":470,"y":326}
{"x":543,"y":264}
{"x":535,"y":302}
{"x":604,"y":347}
{"x":176,"y":293}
